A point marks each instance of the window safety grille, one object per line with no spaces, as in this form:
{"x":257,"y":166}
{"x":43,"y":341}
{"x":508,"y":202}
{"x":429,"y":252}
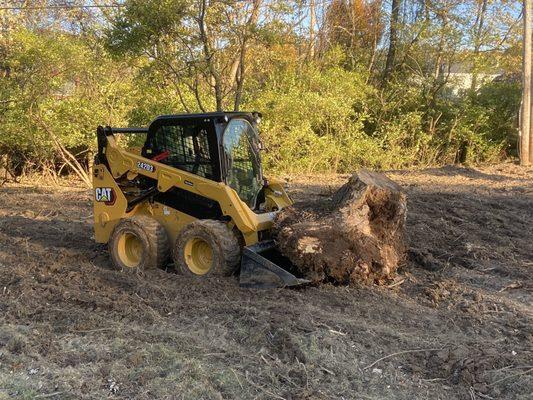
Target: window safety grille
{"x":188,"y":148}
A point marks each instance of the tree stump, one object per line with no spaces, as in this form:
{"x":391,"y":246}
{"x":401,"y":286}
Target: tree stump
{"x":357,"y":235}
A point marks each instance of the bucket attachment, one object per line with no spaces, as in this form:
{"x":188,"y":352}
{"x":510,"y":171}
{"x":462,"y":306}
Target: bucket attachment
{"x":260,"y":269}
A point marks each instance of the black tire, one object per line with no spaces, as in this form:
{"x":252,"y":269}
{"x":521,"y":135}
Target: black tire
{"x":149,"y":237}
{"x":222,"y":242}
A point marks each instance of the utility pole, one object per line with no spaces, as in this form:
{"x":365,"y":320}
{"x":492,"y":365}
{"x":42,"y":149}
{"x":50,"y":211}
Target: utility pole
{"x":525,"y":120}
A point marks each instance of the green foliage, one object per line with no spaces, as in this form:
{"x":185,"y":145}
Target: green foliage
{"x":309,"y":118}
{"x":319,"y":119}
{"x":145,"y":23}
{"x":327,"y":112}
{"x":488,"y":121}
{"x":60,"y":88}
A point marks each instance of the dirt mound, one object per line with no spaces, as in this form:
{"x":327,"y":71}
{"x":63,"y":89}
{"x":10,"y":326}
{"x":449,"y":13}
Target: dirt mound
{"x":357,"y":235}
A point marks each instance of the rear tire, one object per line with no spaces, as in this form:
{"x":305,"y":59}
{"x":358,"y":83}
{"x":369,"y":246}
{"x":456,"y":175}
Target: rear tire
{"x":139,"y":243}
{"x":207,"y":247}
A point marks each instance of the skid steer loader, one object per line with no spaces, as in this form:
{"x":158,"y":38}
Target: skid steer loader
{"x":194,"y":192}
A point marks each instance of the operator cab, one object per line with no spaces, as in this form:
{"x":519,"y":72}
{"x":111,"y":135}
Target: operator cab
{"x":220,"y":146}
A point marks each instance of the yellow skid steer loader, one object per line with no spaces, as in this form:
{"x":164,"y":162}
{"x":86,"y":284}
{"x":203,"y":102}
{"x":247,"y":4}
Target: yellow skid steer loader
{"x":194,"y":192}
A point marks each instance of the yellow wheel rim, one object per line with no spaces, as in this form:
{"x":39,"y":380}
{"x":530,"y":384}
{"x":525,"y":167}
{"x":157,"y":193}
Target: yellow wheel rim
{"x":198,"y":256}
{"x":130,"y":250}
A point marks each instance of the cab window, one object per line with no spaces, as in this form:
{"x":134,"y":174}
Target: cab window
{"x":184,"y":146}
{"x":241,"y":147}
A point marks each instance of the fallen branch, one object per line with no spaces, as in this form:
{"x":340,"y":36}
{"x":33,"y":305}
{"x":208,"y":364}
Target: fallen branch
{"x":262,"y":388}
{"x":45,"y":396}
{"x":399,"y":353}
{"x":396,"y":283}
{"x":511,"y":376}
{"x":237,"y":377}
{"x":93,"y":330}
{"x":66,"y":155}
{"x":327,"y":370}
{"x":514,"y":285}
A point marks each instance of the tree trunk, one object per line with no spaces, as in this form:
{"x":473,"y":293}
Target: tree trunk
{"x":241,"y":67}
{"x":312,"y":23}
{"x":393,"y":39}
{"x":480,"y":21}
{"x":525,"y":122}
{"x":209,"y":57}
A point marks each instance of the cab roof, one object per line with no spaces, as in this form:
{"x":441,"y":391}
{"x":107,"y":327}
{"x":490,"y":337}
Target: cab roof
{"x":217,"y":114}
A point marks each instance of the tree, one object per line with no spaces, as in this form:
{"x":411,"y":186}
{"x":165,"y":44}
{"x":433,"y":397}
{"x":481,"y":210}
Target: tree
{"x":201,"y":46}
{"x":393,"y":39}
{"x":60,"y":92}
{"x":63,"y":71}
{"x":356,"y":26}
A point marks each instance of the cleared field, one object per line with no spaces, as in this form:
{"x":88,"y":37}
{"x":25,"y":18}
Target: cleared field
{"x":456,"y":322}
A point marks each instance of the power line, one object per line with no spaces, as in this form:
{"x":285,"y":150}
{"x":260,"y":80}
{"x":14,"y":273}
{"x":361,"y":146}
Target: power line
{"x":68,"y":6}
{"x":61,"y":7}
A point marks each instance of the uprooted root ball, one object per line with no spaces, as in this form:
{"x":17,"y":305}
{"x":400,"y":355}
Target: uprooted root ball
{"x":357,"y":235}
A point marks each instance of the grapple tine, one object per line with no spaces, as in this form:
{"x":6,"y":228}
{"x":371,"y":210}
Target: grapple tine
{"x":258,"y":272}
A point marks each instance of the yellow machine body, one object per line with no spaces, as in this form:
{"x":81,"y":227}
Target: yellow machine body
{"x":194,"y":193}
{"x":111,"y":205}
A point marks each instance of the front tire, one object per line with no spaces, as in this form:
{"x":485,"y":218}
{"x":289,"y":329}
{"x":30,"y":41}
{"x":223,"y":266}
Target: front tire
{"x":207,"y":247}
{"x":139,"y":243}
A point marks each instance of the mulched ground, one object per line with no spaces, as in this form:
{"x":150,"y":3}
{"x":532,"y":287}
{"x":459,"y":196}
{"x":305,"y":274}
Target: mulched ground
{"x":456,"y":323}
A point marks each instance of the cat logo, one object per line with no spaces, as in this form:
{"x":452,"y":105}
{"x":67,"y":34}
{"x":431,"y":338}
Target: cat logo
{"x":105,"y":195}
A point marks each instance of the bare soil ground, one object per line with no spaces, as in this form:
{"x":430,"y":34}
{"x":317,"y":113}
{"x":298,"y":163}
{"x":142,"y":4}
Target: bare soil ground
{"x":455,"y":324}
